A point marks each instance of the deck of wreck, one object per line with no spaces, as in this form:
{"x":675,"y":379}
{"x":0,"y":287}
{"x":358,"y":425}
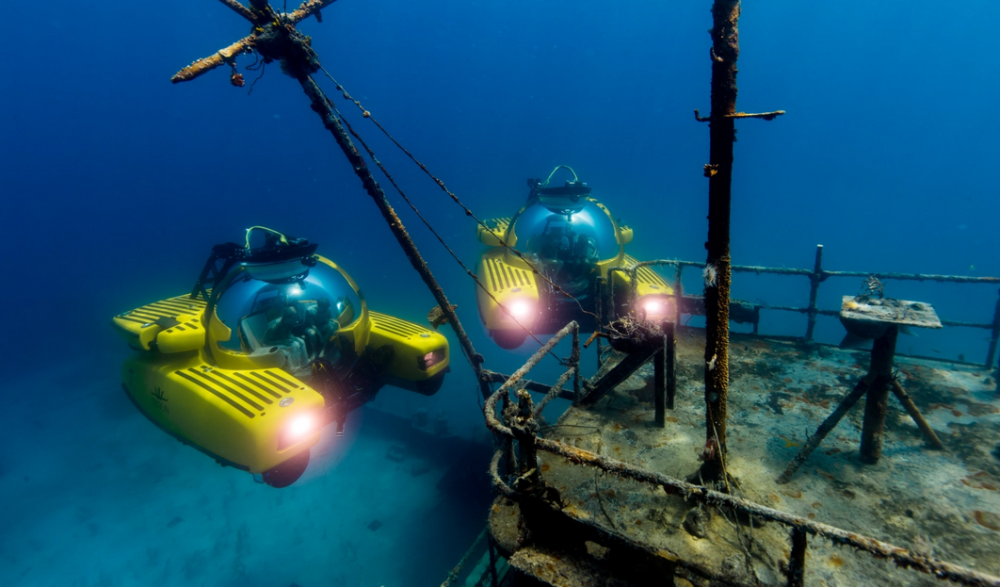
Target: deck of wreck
{"x":940,"y":503}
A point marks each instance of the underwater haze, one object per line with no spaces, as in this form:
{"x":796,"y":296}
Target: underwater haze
{"x":115,"y":185}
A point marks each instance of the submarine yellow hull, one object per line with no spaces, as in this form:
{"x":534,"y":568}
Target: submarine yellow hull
{"x":251,"y":419}
{"x":256,"y":415}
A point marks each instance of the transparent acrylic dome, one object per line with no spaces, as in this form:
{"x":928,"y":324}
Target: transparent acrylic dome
{"x":251,"y":308}
{"x":548,"y":235}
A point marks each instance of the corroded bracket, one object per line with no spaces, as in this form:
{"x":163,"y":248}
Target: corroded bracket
{"x":761,"y":115}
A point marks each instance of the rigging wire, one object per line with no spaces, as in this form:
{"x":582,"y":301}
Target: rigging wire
{"x":413,"y":207}
{"x":468,"y":212}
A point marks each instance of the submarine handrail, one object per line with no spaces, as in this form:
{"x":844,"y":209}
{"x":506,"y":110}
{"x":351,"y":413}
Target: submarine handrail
{"x":799,"y":525}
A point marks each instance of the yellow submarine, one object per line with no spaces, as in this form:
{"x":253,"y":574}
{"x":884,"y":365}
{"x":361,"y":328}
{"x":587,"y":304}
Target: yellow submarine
{"x":562,"y":238}
{"x":272,"y":344}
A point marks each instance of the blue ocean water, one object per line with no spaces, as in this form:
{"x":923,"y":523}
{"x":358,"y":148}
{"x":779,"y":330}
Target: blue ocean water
{"x":115,"y":184}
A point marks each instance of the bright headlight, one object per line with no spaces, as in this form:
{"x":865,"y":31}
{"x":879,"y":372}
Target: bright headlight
{"x":432,"y":358}
{"x":301,"y":426}
{"x":297,"y":429}
{"x":656,"y":308}
{"x":520,"y":309}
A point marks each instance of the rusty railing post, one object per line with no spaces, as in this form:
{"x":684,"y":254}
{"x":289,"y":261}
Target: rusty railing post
{"x":994,"y":336}
{"x":814,"y":280}
{"x":660,"y":382}
{"x":493,"y":561}
{"x":599,"y":303}
{"x":797,"y":558}
{"x":525,"y":428}
{"x":678,"y":292}
{"x":670,"y":336}
{"x":574,"y":363}
{"x":507,"y":443}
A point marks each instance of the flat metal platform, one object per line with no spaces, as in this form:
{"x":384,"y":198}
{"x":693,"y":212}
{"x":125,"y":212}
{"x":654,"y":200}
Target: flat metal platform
{"x":941,"y":503}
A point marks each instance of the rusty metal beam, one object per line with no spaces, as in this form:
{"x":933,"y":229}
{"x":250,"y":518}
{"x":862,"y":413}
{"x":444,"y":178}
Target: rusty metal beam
{"x":321,"y":105}
{"x":495,"y":377}
{"x":616,"y":375}
{"x":825,"y":428}
{"x":914,"y":413}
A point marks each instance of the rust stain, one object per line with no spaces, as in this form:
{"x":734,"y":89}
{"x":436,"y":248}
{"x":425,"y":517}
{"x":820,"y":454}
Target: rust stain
{"x":987,"y":519}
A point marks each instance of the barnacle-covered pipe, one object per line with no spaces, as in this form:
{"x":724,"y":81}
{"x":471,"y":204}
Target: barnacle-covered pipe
{"x":240,"y":9}
{"x":207,"y":64}
{"x":307,"y":8}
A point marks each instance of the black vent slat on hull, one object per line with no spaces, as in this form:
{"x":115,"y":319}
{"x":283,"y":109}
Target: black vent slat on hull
{"x":178,"y":306}
{"x":256,"y":383}
{"x":281,"y":379}
{"x":274,"y":384}
{"x":210,"y":376}
{"x":252,"y":392}
{"x":217,"y":394}
{"x":493,"y":277}
{"x":130,"y":318}
{"x":149,"y":316}
{"x":391,"y":323}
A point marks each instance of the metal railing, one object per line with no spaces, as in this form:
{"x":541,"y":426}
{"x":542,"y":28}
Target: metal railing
{"x":816,"y":276}
{"x":519,"y":425}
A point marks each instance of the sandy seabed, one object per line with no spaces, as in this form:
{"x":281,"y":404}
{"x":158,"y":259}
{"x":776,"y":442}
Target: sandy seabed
{"x":95,"y":495}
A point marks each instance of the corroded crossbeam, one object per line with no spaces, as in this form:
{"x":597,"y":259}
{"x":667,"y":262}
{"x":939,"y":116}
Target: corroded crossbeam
{"x":259,"y":13}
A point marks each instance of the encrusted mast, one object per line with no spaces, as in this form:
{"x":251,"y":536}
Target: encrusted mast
{"x":275,"y":38}
{"x":718,"y":273}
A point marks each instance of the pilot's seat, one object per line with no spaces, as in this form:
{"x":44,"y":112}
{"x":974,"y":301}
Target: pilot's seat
{"x":322,"y":324}
{"x":282,"y":332}
{"x":580,"y":268}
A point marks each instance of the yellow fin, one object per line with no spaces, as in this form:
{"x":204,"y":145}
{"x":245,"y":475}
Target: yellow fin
{"x":789,"y":443}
